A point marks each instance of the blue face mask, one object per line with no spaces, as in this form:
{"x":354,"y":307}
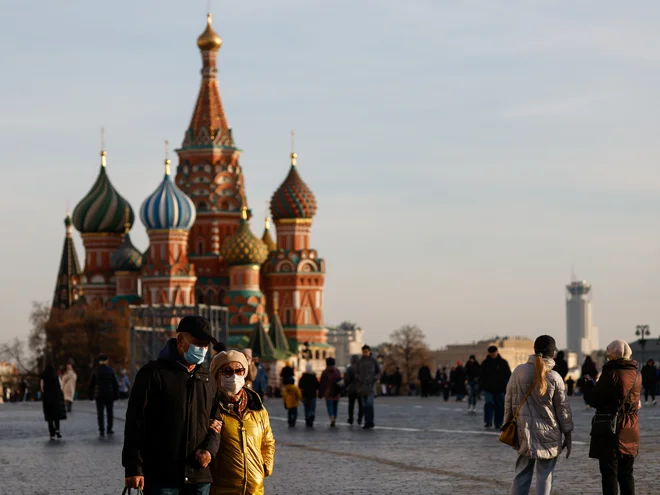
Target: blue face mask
{"x":194,"y":354}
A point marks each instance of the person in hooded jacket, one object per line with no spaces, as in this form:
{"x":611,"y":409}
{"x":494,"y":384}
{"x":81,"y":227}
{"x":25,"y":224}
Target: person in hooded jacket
{"x":170,"y":435}
{"x":309,"y":386}
{"x":351,"y":384}
{"x":544,"y":423}
{"x":617,"y":390}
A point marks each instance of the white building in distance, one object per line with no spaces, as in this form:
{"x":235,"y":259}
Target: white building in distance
{"x":347,"y":339}
{"x":581,"y":334}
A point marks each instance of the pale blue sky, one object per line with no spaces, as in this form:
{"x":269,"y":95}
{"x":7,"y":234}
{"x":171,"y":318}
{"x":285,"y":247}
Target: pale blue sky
{"x":464,"y":154}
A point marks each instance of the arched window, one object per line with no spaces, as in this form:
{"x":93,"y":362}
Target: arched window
{"x":200,"y":245}
{"x":199,"y":296}
{"x":325,"y":354}
{"x":210,"y":297}
{"x":318,"y":355}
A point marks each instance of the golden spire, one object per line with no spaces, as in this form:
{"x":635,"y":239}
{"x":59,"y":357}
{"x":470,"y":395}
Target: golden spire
{"x":209,"y":39}
{"x":244,"y":212}
{"x":167,"y":159}
{"x":294,"y":155}
{"x":267,"y":223}
{"x":127,"y":225}
{"x":103,"y":153}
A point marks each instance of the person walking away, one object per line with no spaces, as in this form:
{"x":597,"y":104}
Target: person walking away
{"x":649,"y":381}
{"x":104,"y":388}
{"x":69,"y":379}
{"x":330,"y":389}
{"x":617,"y":391}
{"x":495,"y":374}
{"x":309,"y":387}
{"x":561,"y":366}
{"x":472,"y":373}
{"x":570,"y":386}
{"x":124,"y":385}
{"x":442,"y":381}
{"x":425,"y":380}
{"x":52,"y":401}
{"x":538,"y":394}
{"x":25,"y":390}
{"x":351,"y":384}
{"x":247,"y":447}
{"x":368,"y":372}
{"x":291,"y":397}
{"x":170,"y":438}
{"x":458,"y":381}
{"x":260,"y":384}
{"x":252,"y":368}
{"x":589,"y":376}
{"x":287,"y":372}
{"x":397,"y":380}
{"x":384,"y":383}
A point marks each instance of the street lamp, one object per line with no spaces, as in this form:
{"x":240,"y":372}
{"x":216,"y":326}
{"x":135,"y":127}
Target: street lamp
{"x":642,"y":331}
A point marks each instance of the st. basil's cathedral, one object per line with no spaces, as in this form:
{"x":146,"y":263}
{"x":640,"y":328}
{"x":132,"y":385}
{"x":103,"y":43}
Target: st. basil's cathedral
{"x":201,"y":248}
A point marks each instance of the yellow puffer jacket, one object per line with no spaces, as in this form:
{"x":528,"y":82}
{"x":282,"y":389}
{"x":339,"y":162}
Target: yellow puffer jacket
{"x":247,"y":451}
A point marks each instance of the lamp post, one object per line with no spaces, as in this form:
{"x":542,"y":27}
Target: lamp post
{"x":642,"y":331}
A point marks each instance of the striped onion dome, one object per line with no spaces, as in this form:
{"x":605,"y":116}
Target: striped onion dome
{"x":103,"y":209}
{"x":126,"y":258}
{"x":293,"y":199}
{"x":243,"y":247}
{"x":168,"y":207}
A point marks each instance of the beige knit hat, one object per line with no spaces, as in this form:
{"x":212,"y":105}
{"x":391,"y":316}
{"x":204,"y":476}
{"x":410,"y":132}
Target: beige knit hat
{"x":225,"y":357}
{"x":619,"y":349}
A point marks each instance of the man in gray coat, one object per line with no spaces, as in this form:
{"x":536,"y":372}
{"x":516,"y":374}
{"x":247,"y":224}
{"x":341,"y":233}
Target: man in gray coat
{"x":368,"y":372}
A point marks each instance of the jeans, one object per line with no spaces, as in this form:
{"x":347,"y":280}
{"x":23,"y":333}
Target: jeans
{"x":292,"y":413}
{"x":368,"y":408}
{"x":332,"y":406}
{"x":525,"y":467}
{"x":200,"y":489}
{"x":352,"y":399}
{"x":494,"y":406}
{"x":310,"y":410}
{"x":101,"y":405}
{"x":617,"y":471}
{"x":473,"y":387}
{"x":53,"y":427}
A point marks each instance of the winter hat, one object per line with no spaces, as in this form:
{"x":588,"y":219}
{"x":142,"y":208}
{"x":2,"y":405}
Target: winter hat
{"x":226,"y":357}
{"x":619,"y":349}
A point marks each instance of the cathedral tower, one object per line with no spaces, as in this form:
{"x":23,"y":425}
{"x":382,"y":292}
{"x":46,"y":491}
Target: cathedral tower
{"x":68,"y":275}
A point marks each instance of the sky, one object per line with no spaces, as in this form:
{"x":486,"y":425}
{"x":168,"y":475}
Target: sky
{"x":464,"y":155}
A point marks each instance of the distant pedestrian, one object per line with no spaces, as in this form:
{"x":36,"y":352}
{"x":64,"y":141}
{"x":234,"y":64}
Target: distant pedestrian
{"x":309,"y":387}
{"x":330,"y":389}
{"x":457,"y":379}
{"x":69,"y":379}
{"x":260,"y":384}
{"x":52,"y":401}
{"x":351,"y":384}
{"x":287,"y":372}
{"x":368,"y":372}
{"x":495,"y":373}
{"x":104,"y":388}
{"x":25,"y":390}
{"x":544,"y":420}
{"x":291,"y":397}
{"x":425,"y":380}
{"x":561,"y":366}
{"x":589,"y":376}
{"x":396,"y":380}
{"x":570,"y":386}
{"x":649,"y":381}
{"x":124,"y":385}
{"x":442,"y":382}
{"x":617,"y":391}
{"x":473,"y":374}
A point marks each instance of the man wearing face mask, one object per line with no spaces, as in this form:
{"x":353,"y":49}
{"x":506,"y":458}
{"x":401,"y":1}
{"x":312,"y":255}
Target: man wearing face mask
{"x":168,"y":443}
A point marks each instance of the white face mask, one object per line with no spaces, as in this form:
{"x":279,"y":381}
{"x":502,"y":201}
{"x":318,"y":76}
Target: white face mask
{"x":232,"y":384}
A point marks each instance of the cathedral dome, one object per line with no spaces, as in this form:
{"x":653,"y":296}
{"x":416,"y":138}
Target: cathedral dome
{"x":209,"y":39}
{"x":243,"y":248}
{"x":102,"y":210}
{"x":293,"y":199}
{"x":168,"y":207}
{"x":267,"y":238}
{"x":126,"y":258}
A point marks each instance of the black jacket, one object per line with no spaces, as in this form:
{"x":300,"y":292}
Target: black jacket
{"x":495,"y":374}
{"x":561,"y":367}
{"x":649,"y":375}
{"x":309,"y":385}
{"x":424,"y":374}
{"x":167,"y":421}
{"x":103,"y":384}
{"x":472,"y":370}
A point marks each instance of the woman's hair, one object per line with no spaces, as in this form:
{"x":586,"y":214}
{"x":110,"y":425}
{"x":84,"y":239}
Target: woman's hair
{"x":544,"y":346}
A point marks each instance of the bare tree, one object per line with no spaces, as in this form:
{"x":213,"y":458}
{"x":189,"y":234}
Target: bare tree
{"x":28,"y":357}
{"x":409,"y":349}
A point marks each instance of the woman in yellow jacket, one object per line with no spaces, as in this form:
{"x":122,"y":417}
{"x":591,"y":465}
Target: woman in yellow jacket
{"x":247,"y":447}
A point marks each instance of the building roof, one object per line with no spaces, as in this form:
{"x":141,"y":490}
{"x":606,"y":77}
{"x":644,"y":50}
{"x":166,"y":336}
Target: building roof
{"x":126,"y":258}
{"x":209,"y":39}
{"x":68,"y":272}
{"x":276,"y":333}
{"x":243,"y":247}
{"x":293,"y":199}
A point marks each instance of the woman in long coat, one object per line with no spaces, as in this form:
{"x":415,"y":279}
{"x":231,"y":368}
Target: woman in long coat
{"x":616,"y":453}
{"x":52,"y":400}
{"x":69,"y":379}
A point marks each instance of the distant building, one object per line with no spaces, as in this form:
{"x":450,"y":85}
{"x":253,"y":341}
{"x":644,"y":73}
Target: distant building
{"x":581,"y":334}
{"x":516,"y":350}
{"x":651,"y":350}
{"x":347,"y":339}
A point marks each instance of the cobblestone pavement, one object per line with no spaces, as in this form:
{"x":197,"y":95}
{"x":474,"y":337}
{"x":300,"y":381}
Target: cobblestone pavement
{"x":419,"y":447}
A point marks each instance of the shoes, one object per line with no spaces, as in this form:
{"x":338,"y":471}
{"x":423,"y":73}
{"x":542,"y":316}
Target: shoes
{"x":488,"y":425}
{"x":52,"y":438}
{"x":350,"y":421}
{"x":58,"y":434}
{"x":368,"y":426}
{"x":110,"y":432}
{"x":359,"y":421}
{"x":101,"y":433}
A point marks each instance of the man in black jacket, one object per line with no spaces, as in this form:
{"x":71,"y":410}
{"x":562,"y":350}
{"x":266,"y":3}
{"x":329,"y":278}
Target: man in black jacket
{"x":495,"y":374}
{"x":169,"y":439}
{"x":104,"y":388}
{"x":561,"y":366}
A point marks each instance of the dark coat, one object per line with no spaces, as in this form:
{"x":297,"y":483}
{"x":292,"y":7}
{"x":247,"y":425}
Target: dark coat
{"x":495,"y":374}
{"x":103,"y":384}
{"x":52,"y":396}
{"x":561,"y":367}
{"x":472,"y":370}
{"x":329,"y":387}
{"x":649,"y":375}
{"x":287,"y":372}
{"x":457,"y":379}
{"x":167,"y":421}
{"x":607,"y":397}
{"x":424,"y":374}
{"x":309,"y":385}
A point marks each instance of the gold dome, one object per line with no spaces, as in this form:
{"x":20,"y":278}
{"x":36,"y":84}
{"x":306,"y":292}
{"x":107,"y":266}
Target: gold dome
{"x":243,"y":248}
{"x":209,"y":39}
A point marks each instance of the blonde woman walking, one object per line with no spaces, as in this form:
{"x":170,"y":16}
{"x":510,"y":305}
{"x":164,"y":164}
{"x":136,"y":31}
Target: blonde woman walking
{"x":544,"y":418}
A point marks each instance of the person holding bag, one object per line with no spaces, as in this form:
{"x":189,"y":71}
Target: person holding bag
{"x":615,"y":427}
{"x":537,"y":415}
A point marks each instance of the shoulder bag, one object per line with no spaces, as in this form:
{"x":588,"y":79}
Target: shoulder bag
{"x":509,"y":430}
{"x":606,"y":424}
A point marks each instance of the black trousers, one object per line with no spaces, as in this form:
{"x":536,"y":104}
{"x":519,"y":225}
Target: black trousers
{"x":101,"y":406}
{"x":69,"y":405}
{"x":53,"y":426}
{"x":649,"y":390}
{"x":617,"y":472}
{"x":292,"y":415}
{"x":352,"y":398}
{"x":426,"y":388}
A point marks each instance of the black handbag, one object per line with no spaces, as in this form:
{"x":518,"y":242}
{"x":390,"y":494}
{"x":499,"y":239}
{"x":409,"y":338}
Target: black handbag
{"x":606,"y":424}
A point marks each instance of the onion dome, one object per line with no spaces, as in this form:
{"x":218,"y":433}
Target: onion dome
{"x":267,"y":239}
{"x":102,"y":210}
{"x":243,"y":248}
{"x":209,"y":39}
{"x":168,"y":207}
{"x":126,"y":258}
{"x":293,"y":199}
